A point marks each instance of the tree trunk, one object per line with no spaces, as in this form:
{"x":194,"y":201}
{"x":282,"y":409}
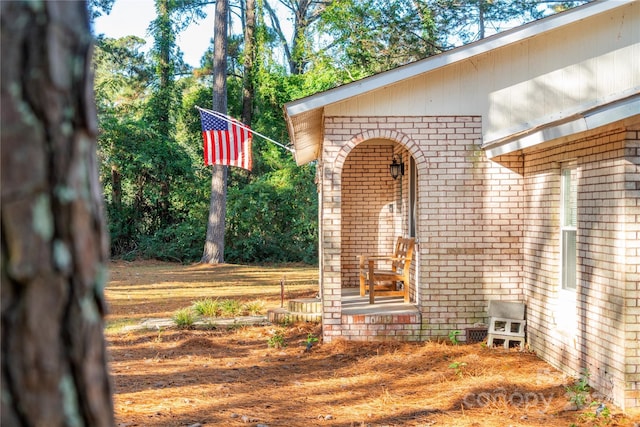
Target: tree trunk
{"x":164,"y":41}
{"x":53,"y":240}
{"x":214,"y":244}
{"x":249,"y":55}
{"x":481,"y":19}
{"x":116,"y":187}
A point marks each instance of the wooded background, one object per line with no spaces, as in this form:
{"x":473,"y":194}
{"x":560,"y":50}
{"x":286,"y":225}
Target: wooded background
{"x":157,"y":189}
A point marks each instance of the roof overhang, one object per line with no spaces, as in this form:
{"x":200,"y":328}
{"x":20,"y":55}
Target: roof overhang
{"x":304,"y":116}
{"x":584,"y":121}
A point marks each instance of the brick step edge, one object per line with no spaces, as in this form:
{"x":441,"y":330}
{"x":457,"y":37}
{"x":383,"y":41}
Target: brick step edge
{"x":282,"y":315}
{"x":309,"y":305}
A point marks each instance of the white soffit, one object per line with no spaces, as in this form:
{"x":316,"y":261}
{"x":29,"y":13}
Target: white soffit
{"x":588,"y":120}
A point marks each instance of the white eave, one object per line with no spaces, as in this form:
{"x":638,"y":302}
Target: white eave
{"x":304,"y":116}
{"x":589,"y":119}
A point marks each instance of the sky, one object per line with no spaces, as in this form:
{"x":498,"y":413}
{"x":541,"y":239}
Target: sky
{"x":132,"y":18}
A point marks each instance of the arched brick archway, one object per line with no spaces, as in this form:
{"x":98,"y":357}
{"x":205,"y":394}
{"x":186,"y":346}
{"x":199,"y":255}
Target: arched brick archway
{"x":404,"y":140}
{"x":369,"y":149}
{"x":375,"y":208}
{"x":445,"y":158}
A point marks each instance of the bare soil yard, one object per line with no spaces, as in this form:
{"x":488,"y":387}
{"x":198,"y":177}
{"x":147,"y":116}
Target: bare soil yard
{"x":230,"y":376}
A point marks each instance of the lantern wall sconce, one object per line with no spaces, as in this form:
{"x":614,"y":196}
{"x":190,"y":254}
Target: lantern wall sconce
{"x":396,"y":168}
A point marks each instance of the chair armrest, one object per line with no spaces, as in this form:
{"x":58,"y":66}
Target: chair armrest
{"x":365,"y":258}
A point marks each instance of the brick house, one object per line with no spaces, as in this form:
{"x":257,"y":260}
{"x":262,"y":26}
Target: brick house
{"x":522,"y":183}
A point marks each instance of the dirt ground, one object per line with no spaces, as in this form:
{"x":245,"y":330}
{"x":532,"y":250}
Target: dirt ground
{"x":230,"y":376}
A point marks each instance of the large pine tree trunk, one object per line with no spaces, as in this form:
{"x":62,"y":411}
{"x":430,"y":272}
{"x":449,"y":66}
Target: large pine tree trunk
{"x":214,"y":244}
{"x":54,"y":246}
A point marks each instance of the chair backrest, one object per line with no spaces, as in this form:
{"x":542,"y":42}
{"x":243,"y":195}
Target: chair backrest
{"x":403,"y":254}
{"x":506,"y":310}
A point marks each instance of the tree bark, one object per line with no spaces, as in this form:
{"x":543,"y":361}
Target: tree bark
{"x":214,"y":244}
{"x":53,"y":240}
{"x":164,"y":42}
{"x":249,"y":55}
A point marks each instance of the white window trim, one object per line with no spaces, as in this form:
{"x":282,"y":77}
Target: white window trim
{"x":563,"y":228}
{"x":565,"y":310}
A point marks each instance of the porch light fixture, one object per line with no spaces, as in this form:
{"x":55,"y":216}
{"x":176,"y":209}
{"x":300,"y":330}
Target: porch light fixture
{"x":396,"y":168}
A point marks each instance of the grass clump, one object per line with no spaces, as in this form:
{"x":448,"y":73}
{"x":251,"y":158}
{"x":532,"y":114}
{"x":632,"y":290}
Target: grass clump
{"x":184,"y":318}
{"x":207,"y":307}
{"x":230,"y":308}
{"x":254,"y":308}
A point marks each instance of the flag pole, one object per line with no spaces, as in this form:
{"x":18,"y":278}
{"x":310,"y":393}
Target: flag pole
{"x":229,"y":119}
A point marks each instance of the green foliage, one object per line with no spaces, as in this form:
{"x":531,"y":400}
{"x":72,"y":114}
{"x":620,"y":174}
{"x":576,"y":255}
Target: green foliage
{"x":273,"y":218}
{"x":463,"y":21}
{"x":360,"y":39}
{"x":599,"y":416}
{"x":184,"y":318}
{"x":207,"y":307}
{"x":230,"y":308}
{"x":458,"y":367}
{"x":276,"y":340}
{"x":311,"y":339}
{"x":154,"y":209}
{"x":579,"y":392}
{"x":254,"y":308}
{"x":453,"y":337}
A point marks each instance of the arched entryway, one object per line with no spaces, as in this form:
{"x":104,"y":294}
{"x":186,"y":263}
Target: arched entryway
{"x":376,"y":207}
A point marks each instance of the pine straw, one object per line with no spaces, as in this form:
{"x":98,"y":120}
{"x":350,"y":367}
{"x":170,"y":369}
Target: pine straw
{"x":230,"y":377}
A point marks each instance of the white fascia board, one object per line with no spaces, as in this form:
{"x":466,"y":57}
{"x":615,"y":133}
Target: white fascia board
{"x":396,"y":75}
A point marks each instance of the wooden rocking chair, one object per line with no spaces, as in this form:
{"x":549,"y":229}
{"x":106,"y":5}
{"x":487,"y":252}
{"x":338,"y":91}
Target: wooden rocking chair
{"x":391,"y":280}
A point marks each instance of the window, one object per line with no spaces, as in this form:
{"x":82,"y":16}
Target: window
{"x":568,"y":226}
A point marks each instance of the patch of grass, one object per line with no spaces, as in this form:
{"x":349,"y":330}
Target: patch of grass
{"x":207,"y":307}
{"x":230,"y":308}
{"x":176,"y":286}
{"x":254,"y":308}
{"x":184,"y":318}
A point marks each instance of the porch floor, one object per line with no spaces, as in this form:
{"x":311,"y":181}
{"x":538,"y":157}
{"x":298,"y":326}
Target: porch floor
{"x":353,"y":304}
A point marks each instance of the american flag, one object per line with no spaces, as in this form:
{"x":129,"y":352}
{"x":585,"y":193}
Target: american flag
{"x":226,"y":141}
